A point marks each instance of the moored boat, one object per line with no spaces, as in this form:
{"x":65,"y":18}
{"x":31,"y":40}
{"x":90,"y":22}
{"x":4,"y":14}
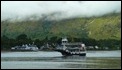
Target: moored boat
{"x":25,"y":48}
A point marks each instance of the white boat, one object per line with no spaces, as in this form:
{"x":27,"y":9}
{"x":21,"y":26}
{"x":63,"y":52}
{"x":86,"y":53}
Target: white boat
{"x":25,"y":48}
{"x":67,"y":49}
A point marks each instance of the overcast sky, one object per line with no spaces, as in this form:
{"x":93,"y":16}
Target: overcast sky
{"x":65,"y":9}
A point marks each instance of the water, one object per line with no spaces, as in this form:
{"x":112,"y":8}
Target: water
{"x":54,"y":60}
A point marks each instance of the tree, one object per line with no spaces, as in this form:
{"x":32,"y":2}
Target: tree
{"x":22,"y":37}
{"x":38,"y":43}
{"x":53,"y":39}
{"x":7,"y":43}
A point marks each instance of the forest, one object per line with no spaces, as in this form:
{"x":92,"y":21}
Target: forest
{"x":102,"y":31}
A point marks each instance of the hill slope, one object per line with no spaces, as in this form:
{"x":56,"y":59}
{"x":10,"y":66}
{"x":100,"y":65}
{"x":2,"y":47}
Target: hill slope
{"x":103,"y":27}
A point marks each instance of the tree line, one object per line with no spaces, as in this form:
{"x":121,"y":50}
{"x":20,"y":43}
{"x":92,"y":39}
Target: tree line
{"x":7,"y":43}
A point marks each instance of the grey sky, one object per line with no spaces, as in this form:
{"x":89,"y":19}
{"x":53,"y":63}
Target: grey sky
{"x":11,"y":9}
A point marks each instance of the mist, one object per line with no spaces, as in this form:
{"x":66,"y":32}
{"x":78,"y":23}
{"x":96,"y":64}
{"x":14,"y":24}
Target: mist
{"x":57,"y":9}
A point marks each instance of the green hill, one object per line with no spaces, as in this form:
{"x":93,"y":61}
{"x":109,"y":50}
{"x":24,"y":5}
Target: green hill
{"x":103,"y":27}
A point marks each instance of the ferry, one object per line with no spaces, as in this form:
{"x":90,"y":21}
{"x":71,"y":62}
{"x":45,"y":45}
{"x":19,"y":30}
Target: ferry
{"x":69,"y":49}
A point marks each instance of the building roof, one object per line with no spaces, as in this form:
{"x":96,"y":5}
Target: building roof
{"x":64,"y":39}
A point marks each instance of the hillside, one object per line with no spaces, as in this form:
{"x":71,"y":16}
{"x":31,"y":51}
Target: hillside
{"x":103,"y":27}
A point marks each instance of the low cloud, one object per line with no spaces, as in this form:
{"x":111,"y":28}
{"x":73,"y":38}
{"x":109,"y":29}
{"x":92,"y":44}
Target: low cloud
{"x":59,"y":9}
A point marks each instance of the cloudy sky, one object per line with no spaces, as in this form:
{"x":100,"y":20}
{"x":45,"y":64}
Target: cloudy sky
{"x":64,"y":9}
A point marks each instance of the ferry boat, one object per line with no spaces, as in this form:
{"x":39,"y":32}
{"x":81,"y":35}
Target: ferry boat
{"x":68,"y":49}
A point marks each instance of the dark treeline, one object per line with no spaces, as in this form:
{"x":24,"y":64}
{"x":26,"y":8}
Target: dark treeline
{"x":7,"y":43}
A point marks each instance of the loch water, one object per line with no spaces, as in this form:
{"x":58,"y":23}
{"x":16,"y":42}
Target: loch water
{"x":55,"y":60}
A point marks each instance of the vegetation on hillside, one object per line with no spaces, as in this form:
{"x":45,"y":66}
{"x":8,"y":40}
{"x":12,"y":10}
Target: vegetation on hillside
{"x":102,"y":31}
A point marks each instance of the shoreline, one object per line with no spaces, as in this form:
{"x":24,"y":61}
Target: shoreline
{"x":2,"y":51}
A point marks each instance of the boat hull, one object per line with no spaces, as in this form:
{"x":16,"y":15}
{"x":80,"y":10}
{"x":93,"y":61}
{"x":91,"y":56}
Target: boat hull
{"x":65,"y":53}
{"x":22,"y":50}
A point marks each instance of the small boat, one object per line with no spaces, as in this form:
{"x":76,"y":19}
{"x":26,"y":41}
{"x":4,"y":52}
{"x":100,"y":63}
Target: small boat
{"x":69,"y":49}
{"x":25,"y":48}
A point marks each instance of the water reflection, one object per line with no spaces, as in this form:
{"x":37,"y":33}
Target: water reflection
{"x":77,"y":61}
{"x":92,"y":62}
{"x":74,"y":57}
